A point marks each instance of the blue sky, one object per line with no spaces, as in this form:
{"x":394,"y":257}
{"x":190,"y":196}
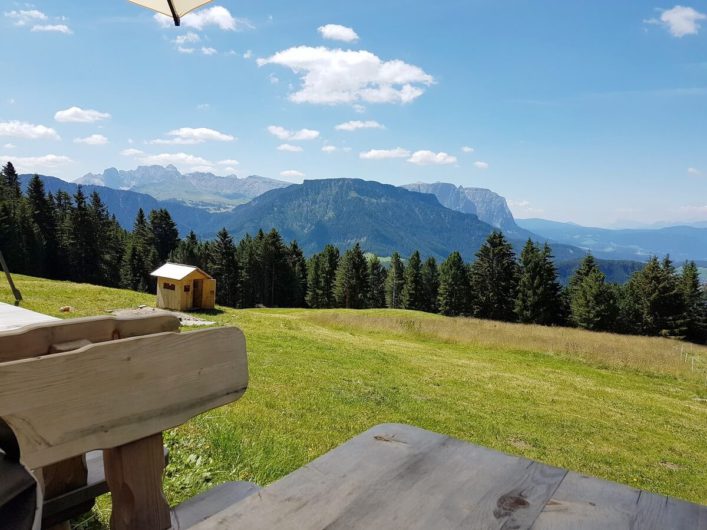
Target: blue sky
{"x":592,"y":112}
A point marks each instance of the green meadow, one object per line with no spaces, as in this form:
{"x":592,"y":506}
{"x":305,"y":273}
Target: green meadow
{"x":627,"y":409}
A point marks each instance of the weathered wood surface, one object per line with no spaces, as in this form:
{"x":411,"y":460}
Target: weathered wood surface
{"x":134,"y":476}
{"x":396,"y":476}
{"x":204,"y":505}
{"x":112,"y":393}
{"x":13,"y":317}
{"x":57,"y":336}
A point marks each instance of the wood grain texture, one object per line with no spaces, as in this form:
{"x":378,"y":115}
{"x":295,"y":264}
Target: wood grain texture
{"x":396,"y":476}
{"x":134,"y":477}
{"x":113,"y":393}
{"x":56,"y":337}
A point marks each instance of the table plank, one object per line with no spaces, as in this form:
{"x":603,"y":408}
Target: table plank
{"x":396,"y":476}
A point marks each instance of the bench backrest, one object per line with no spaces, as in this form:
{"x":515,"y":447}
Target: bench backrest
{"x":109,"y":394}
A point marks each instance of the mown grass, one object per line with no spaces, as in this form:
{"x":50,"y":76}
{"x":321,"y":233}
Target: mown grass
{"x":627,"y":409}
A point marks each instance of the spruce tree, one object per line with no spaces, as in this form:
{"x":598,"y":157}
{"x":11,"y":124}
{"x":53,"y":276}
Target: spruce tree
{"x":494,"y":279}
{"x":352,"y":287}
{"x":164,"y":233}
{"x":592,"y":301}
{"x":453,"y":298}
{"x":395,"y":282}
{"x":377,"y":275}
{"x":315,"y":291}
{"x":695,"y":303}
{"x":224,"y":268}
{"x":413,"y":290}
{"x":430,"y":285}
{"x":538,"y":300}
{"x":330,"y":264}
{"x":297,"y":264}
{"x":11,"y":181}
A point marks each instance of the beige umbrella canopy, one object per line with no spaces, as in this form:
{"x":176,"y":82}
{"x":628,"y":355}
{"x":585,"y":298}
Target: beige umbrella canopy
{"x":172,"y":8}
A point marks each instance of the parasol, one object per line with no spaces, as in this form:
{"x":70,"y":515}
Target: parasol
{"x":172,"y":8}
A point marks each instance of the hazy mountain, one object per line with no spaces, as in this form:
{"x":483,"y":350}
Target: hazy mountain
{"x":381,"y":217}
{"x":204,"y":190}
{"x":681,"y":242}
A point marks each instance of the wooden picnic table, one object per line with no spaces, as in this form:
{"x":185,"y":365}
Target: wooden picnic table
{"x":397,"y":476}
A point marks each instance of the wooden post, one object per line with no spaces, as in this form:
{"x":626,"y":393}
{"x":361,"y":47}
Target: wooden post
{"x":15,"y":291}
{"x":62,"y":477}
{"x":134,"y":477}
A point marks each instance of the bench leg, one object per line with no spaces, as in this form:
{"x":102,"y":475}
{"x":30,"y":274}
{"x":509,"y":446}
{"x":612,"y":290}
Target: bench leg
{"x":134,"y":477}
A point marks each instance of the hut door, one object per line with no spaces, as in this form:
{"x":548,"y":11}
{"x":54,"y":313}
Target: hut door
{"x":197,"y":295}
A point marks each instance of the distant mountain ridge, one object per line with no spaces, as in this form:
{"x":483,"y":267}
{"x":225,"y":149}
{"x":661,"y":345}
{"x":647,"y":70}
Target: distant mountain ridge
{"x":204,"y":190}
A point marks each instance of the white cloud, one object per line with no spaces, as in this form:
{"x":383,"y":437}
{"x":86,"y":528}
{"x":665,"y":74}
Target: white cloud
{"x":680,"y":21}
{"x":31,"y":164}
{"x":192,"y":136}
{"x":203,"y":106}
{"x":131,"y":152}
{"x":24,"y":17}
{"x":94,"y":139}
{"x":354,"y":125}
{"x":20,"y":129}
{"x":467,"y":149}
{"x":248,"y":54}
{"x":274,"y":80}
{"x":229,"y":162}
{"x":217,"y":16}
{"x":291,"y":173}
{"x":79,"y":115}
{"x":359,"y":109}
{"x":289,"y":148}
{"x":184,"y":49}
{"x":57,"y":28}
{"x":694,"y":171}
{"x":189,"y":37}
{"x":295,"y":136}
{"x":181,"y":160}
{"x":205,"y":50}
{"x":481,"y":165}
{"x":9,"y":146}
{"x":523,"y":208}
{"x":329,"y":149}
{"x":337,"y":32}
{"x":333,"y":77}
{"x":429,"y":158}
{"x":381,"y":154}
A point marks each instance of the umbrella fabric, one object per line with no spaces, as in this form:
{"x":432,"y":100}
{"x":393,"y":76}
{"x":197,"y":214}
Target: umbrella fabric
{"x":181,"y":7}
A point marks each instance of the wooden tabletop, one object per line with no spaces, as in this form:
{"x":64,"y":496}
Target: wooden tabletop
{"x":397,"y":476}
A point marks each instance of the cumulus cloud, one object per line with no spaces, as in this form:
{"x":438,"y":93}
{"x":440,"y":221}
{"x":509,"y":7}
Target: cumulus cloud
{"x":180,"y":160}
{"x":9,"y":146}
{"x":131,"y":152}
{"x":295,"y":136}
{"x":382,"y":154}
{"x":334,"y":76}
{"x":429,"y":158}
{"x":56,"y":28}
{"x":329,"y":149}
{"x":467,"y":149}
{"x":694,"y":171}
{"x":680,"y":21}
{"x":523,"y":207}
{"x":79,"y":115}
{"x":23,"y":17}
{"x":289,"y":148}
{"x":337,"y":32}
{"x":206,"y":50}
{"x":94,"y":139}
{"x":20,"y":129}
{"x":217,"y":16}
{"x":355,"y":125}
{"x":31,"y":164}
{"x":188,"y":38}
{"x":228,"y":162}
{"x":481,"y":165}
{"x":192,"y":136}
{"x":291,"y":173}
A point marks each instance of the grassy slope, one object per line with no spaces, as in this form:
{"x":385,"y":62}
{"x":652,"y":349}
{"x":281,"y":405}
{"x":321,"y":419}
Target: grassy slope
{"x":320,"y":377}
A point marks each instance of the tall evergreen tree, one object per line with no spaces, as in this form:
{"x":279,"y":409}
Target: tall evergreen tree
{"x":413,"y":288}
{"x":224,"y":268}
{"x":592,"y":301}
{"x":11,"y":181}
{"x":377,"y":275}
{"x":297,"y":289}
{"x":494,"y":279}
{"x":315,"y":291}
{"x":695,"y":302}
{"x":538,"y":300}
{"x":352,"y":288}
{"x":164,"y":233}
{"x":453,"y":299}
{"x":430,"y":285}
{"x":395,"y":282}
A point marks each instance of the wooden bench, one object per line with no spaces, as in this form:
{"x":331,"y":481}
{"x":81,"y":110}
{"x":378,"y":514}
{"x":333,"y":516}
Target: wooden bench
{"x":116,"y":384}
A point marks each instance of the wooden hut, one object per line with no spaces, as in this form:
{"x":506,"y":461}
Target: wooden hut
{"x":183,"y":287}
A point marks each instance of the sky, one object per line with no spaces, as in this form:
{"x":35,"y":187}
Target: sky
{"x":593,"y":112}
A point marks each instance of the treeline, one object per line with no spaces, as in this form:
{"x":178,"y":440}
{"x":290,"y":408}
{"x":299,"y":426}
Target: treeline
{"x":74,"y":238}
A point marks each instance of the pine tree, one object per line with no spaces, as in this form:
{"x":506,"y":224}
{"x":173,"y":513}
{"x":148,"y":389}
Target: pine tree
{"x":352,"y":288}
{"x":453,"y":299}
{"x":592,"y":301}
{"x":11,"y":181}
{"x":298,"y":276}
{"x":695,"y":302}
{"x":315,"y":291}
{"x":377,"y":276}
{"x":224,"y":268}
{"x":42,"y":212}
{"x":395,"y":282}
{"x":140,"y":257}
{"x":430,"y":285}
{"x":494,"y":279}
{"x":164,"y":233}
{"x":250,"y":272}
{"x":538,"y":300}
{"x":413,"y":289}
{"x":330,"y":264}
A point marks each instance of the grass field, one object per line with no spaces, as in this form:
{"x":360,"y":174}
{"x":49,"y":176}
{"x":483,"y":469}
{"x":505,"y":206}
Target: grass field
{"x":628,"y":409}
